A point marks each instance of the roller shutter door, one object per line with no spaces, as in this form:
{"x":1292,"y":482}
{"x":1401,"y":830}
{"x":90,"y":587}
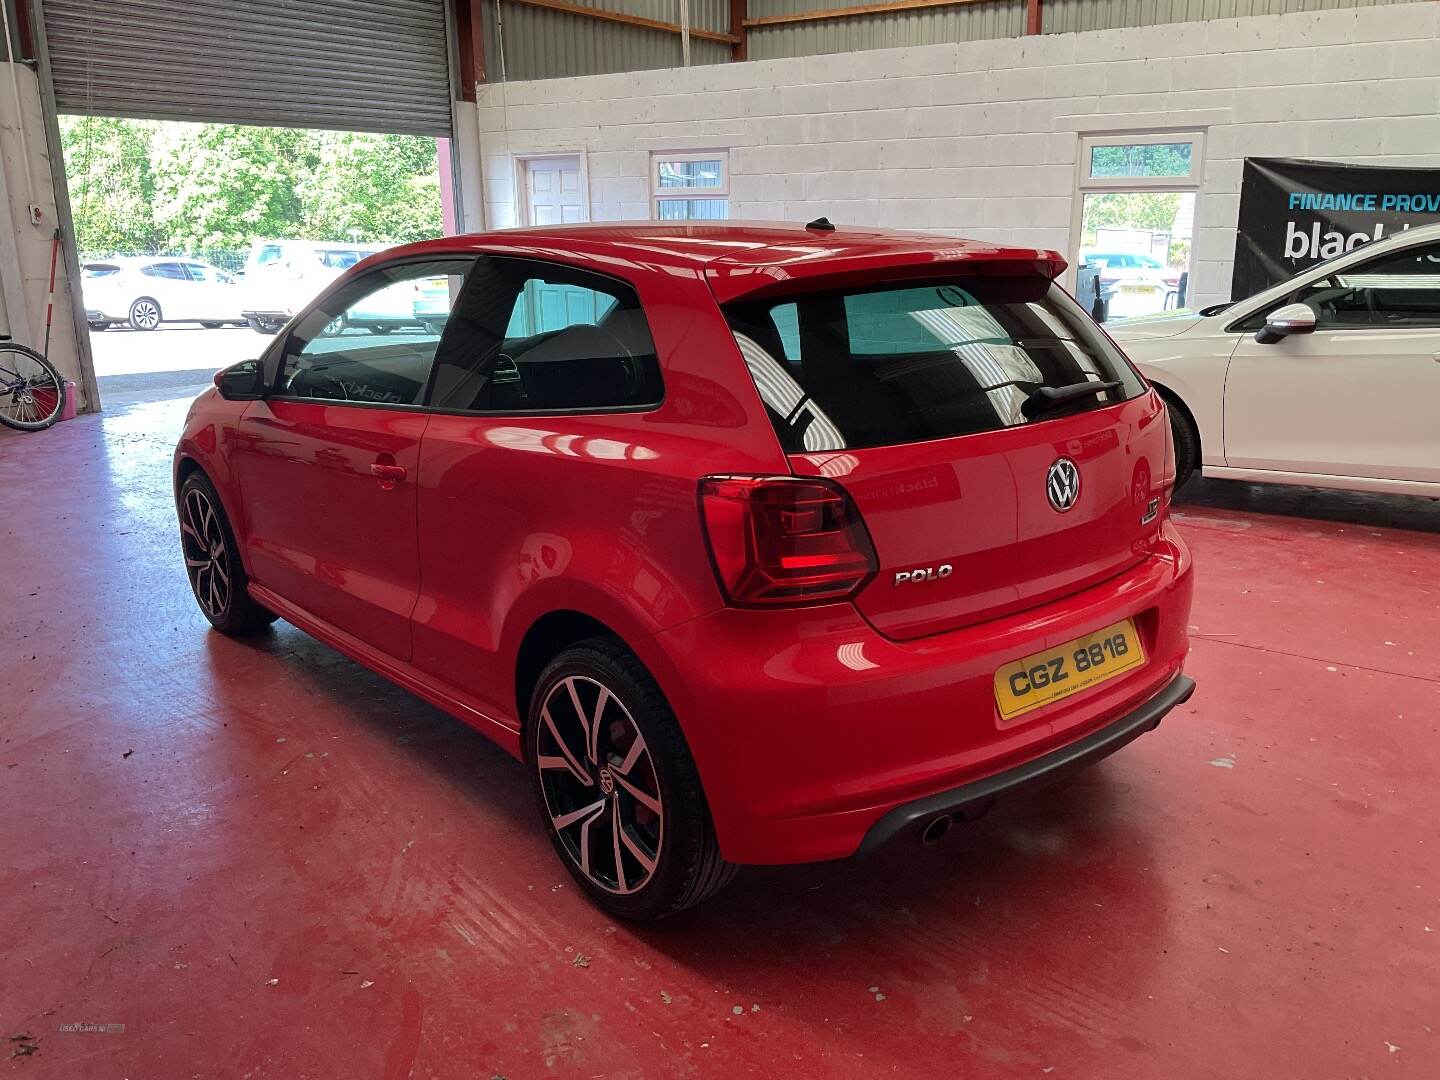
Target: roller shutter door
{"x":361,"y":65}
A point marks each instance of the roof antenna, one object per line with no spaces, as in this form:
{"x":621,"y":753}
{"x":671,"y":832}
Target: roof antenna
{"x":820,"y":224}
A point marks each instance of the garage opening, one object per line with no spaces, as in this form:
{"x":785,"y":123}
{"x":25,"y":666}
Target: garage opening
{"x":197,"y":241}
{"x":1136,"y":211}
{"x":213,"y":192}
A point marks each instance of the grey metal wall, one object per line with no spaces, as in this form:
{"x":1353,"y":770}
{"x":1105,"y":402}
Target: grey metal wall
{"x":928,"y":26}
{"x":1067,"y":16}
{"x":542,"y":44}
{"x":363,"y":65}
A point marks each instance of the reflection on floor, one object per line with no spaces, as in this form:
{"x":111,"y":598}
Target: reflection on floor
{"x":263,"y":860}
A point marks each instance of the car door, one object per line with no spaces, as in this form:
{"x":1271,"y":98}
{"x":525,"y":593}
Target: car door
{"x":164,"y":282}
{"x":208,"y":292}
{"x":328,"y":465}
{"x":532,"y":347}
{"x":1358,"y":396}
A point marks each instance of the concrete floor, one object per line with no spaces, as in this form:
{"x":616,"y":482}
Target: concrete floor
{"x":264,"y":861}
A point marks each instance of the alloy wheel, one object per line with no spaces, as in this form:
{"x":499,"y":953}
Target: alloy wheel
{"x":601,"y":790}
{"x":146,"y":314}
{"x":206,"y":560}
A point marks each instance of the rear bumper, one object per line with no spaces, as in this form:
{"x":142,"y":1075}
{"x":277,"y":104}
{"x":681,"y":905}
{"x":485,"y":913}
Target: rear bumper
{"x":809,"y":727}
{"x":971,"y":800}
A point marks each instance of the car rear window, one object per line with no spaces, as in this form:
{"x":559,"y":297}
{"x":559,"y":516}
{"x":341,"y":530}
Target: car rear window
{"x":879,"y":366}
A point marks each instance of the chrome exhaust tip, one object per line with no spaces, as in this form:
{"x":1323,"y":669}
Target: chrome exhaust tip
{"x":936,"y":830}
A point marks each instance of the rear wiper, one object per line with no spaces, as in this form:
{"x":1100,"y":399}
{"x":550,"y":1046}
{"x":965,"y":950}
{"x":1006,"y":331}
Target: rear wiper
{"x":1049,"y":398}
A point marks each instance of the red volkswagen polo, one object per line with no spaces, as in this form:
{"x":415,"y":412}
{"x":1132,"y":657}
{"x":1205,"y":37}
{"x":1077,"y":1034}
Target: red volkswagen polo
{"x":756,"y":543}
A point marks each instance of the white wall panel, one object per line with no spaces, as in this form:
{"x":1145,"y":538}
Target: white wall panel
{"x":980,"y":138}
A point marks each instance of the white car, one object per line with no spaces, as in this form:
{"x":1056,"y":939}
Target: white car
{"x":1133,"y":283}
{"x":1330,"y":379}
{"x":282,"y":276}
{"x":144,"y":292}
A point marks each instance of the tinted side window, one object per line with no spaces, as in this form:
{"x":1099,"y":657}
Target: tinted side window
{"x":269,"y":254}
{"x":528,"y":336}
{"x":171,"y":271}
{"x":374,"y":342}
{"x":1401,"y":290}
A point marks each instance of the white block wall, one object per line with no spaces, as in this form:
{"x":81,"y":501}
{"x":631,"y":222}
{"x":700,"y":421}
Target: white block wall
{"x":24,"y":247}
{"x":980,"y":139}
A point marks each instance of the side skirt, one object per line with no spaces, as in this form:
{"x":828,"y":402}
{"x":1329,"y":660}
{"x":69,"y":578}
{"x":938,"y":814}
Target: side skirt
{"x":404,"y":675}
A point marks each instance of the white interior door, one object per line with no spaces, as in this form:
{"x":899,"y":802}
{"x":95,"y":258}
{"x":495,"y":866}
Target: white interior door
{"x":553,"y":192}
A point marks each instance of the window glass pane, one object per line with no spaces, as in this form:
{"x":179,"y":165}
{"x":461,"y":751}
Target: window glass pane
{"x":897,"y":365}
{"x":534,"y":337}
{"x":1134,"y":252}
{"x":1400,"y":291}
{"x":374,"y":342}
{"x":692,"y":209}
{"x":1147,"y":159}
{"x":340,"y":258}
{"x":786,"y":318}
{"x":691,"y":174}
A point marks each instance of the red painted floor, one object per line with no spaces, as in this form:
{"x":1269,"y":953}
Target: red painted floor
{"x":264,"y":861}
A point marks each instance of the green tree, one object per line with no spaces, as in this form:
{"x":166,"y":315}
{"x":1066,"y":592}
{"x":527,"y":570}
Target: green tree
{"x":224,"y":185}
{"x":1153,"y":210}
{"x":112,"y":184}
{"x":1145,"y":159}
{"x":146,"y":186}
{"x":371,"y":188}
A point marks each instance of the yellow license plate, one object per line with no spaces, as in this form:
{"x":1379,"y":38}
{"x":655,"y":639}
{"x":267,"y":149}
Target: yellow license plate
{"x":1053,"y":674}
{"x":1137,"y":289}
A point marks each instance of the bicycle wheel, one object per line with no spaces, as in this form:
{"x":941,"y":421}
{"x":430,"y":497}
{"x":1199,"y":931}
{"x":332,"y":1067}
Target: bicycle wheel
{"x":31,"y":390}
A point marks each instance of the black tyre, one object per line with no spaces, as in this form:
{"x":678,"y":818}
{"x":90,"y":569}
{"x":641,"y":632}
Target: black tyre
{"x":618,"y":791}
{"x":32,"y":393}
{"x":99,"y":325}
{"x":1187,"y":443}
{"x":380,"y":328}
{"x":261,"y":326}
{"x":212,"y":561}
{"x":212,"y":325}
{"x":145,"y":314}
{"x":335,"y":327}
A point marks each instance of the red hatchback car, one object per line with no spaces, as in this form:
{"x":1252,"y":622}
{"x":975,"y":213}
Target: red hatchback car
{"x":756,"y":543}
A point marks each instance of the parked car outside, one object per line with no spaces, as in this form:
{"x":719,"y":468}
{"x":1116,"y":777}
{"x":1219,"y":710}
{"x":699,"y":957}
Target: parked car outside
{"x":282,"y":276}
{"x":144,"y":291}
{"x":1134,"y":283}
{"x":757,"y":544}
{"x":1329,"y":379}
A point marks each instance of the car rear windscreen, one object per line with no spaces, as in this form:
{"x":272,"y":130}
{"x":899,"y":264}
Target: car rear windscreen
{"x":881,"y":365}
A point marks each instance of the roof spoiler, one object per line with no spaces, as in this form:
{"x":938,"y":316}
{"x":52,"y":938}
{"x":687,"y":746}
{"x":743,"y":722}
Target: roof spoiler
{"x":730,"y":281}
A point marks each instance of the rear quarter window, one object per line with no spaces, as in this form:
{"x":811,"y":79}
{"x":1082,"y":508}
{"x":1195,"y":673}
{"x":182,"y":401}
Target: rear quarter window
{"x":881,"y":366}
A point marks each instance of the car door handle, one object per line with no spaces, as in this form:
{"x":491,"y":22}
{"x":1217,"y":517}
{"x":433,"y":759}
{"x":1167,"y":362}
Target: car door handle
{"x":390,"y":473}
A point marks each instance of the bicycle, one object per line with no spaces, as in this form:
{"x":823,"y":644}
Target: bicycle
{"x":32,"y":392}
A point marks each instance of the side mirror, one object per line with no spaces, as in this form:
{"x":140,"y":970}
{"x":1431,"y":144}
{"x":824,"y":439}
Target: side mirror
{"x":244,"y":381}
{"x":1284,"y":321}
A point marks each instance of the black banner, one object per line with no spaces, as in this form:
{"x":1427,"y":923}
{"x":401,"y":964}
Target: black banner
{"x":1294,"y":214}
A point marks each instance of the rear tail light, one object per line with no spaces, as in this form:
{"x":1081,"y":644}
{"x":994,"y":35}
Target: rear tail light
{"x":778,"y":540}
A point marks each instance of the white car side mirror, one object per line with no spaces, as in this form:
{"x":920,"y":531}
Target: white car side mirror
{"x":1287,"y":320}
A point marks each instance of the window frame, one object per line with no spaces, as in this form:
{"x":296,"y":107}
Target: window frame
{"x":1246,"y":324}
{"x":274,"y":358}
{"x":689,"y":193}
{"x":275,"y":361}
{"x":603,"y":410}
{"x":1189,"y":182}
{"x":1085,"y":184}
